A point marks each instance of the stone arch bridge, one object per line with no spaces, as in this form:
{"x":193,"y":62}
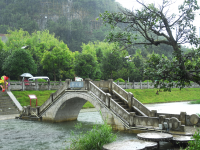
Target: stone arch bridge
{"x":119,"y":108}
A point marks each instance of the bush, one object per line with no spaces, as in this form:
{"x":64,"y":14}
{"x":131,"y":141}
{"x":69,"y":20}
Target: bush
{"x":97,"y":79}
{"x":94,"y":139}
{"x":195,"y":102}
{"x":120,"y":80}
{"x":195,"y":144}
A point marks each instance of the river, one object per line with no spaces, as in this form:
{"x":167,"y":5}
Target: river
{"x":18,"y":134}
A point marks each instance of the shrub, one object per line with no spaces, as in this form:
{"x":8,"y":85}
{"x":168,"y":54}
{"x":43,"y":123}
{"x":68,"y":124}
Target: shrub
{"x":195,"y":144}
{"x":97,"y":79}
{"x":94,"y":139}
{"x":195,"y":102}
{"x":120,"y":80}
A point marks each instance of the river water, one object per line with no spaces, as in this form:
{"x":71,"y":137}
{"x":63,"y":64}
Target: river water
{"x":18,"y":134}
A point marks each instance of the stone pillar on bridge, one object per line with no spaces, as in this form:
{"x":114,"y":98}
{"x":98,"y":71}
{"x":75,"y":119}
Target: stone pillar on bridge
{"x":130,"y":101}
{"x":183,"y":118}
{"x":131,"y":119}
{"x":153,"y":113}
{"x":67,"y":83}
{"x":108,"y":96}
{"x":87,"y":83}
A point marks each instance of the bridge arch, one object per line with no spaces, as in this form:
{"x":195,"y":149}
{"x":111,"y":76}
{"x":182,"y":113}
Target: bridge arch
{"x":69,"y":106}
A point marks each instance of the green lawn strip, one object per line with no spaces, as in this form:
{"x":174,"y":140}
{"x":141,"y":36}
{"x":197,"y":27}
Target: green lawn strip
{"x":42,"y":96}
{"x":150,"y":96}
{"x":143,"y":95}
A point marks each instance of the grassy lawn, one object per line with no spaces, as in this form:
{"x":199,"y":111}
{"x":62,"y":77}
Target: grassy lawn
{"x":42,"y":96}
{"x":143,"y":95}
{"x":150,"y":96}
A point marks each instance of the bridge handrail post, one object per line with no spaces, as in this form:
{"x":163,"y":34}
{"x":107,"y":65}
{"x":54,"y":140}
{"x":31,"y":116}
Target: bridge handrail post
{"x":108,"y":96}
{"x":131,"y":119}
{"x":130,"y":101}
{"x":87,"y":82}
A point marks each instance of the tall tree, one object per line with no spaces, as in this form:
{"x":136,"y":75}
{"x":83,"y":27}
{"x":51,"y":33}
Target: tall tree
{"x":156,"y":25}
{"x":111,"y":62}
{"x":57,"y":61}
{"x":85,"y":66}
{"x":20,"y":61}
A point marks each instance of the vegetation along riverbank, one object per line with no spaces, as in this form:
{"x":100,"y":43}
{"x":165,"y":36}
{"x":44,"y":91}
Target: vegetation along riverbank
{"x":143,"y":95}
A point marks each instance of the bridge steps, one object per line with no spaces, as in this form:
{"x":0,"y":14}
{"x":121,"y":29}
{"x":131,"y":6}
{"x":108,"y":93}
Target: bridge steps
{"x":121,"y":103}
{"x":7,"y":106}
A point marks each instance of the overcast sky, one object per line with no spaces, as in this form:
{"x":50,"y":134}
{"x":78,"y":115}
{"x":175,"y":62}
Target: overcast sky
{"x":132,"y":4}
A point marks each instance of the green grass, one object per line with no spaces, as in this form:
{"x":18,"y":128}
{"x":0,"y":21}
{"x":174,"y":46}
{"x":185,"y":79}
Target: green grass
{"x":143,"y":95}
{"x":42,"y":96}
{"x":22,"y":97}
{"x":150,"y":96}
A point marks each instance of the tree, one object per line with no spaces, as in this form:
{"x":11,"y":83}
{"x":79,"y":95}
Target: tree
{"x":20,"y":61}
{"x":111,"y":62}
{"x":85,"y":66}
{"x":156,"y":25}
{"x":57,"y":61}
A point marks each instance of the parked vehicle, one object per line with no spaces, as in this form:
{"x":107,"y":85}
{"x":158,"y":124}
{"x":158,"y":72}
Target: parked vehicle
{"x":78,"y":79}
{"x":39,"y":77}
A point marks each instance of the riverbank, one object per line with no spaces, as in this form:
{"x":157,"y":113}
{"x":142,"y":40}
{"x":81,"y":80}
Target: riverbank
{"x":149,"y":96}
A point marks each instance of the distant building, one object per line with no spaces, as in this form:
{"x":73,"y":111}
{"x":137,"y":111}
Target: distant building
{"x":3,"y":37}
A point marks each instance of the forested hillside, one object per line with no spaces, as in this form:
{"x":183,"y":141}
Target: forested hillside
{"x":73,"y":21}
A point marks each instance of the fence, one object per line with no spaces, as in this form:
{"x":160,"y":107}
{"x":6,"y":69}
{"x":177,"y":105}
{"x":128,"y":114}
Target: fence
{"x":20,"y":85}
{"x":146,"y":85}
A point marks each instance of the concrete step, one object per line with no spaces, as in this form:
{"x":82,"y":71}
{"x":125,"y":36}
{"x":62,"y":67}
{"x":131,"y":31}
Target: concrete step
{"x":9,"y":107}
{"x":4,"y":98}
{"x":6,"y":103}
{"x":124,"y":106}
{"x":120,"y":103}
{"x":10,"y":112}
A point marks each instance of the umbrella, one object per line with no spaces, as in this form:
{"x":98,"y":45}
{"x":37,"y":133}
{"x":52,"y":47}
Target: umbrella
{"x":26,"y":75}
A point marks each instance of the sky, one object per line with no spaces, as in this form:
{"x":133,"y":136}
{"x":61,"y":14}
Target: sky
{"x":132,"y":4}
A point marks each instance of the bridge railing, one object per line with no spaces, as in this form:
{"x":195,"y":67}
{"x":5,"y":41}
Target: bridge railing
{"x":140,"y":106}
{"x":120,"y":111}
{"x":97,"y":91}
{"x":131,"y":100}
{"x":120,"y":90}
{"x":53,"y":96}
